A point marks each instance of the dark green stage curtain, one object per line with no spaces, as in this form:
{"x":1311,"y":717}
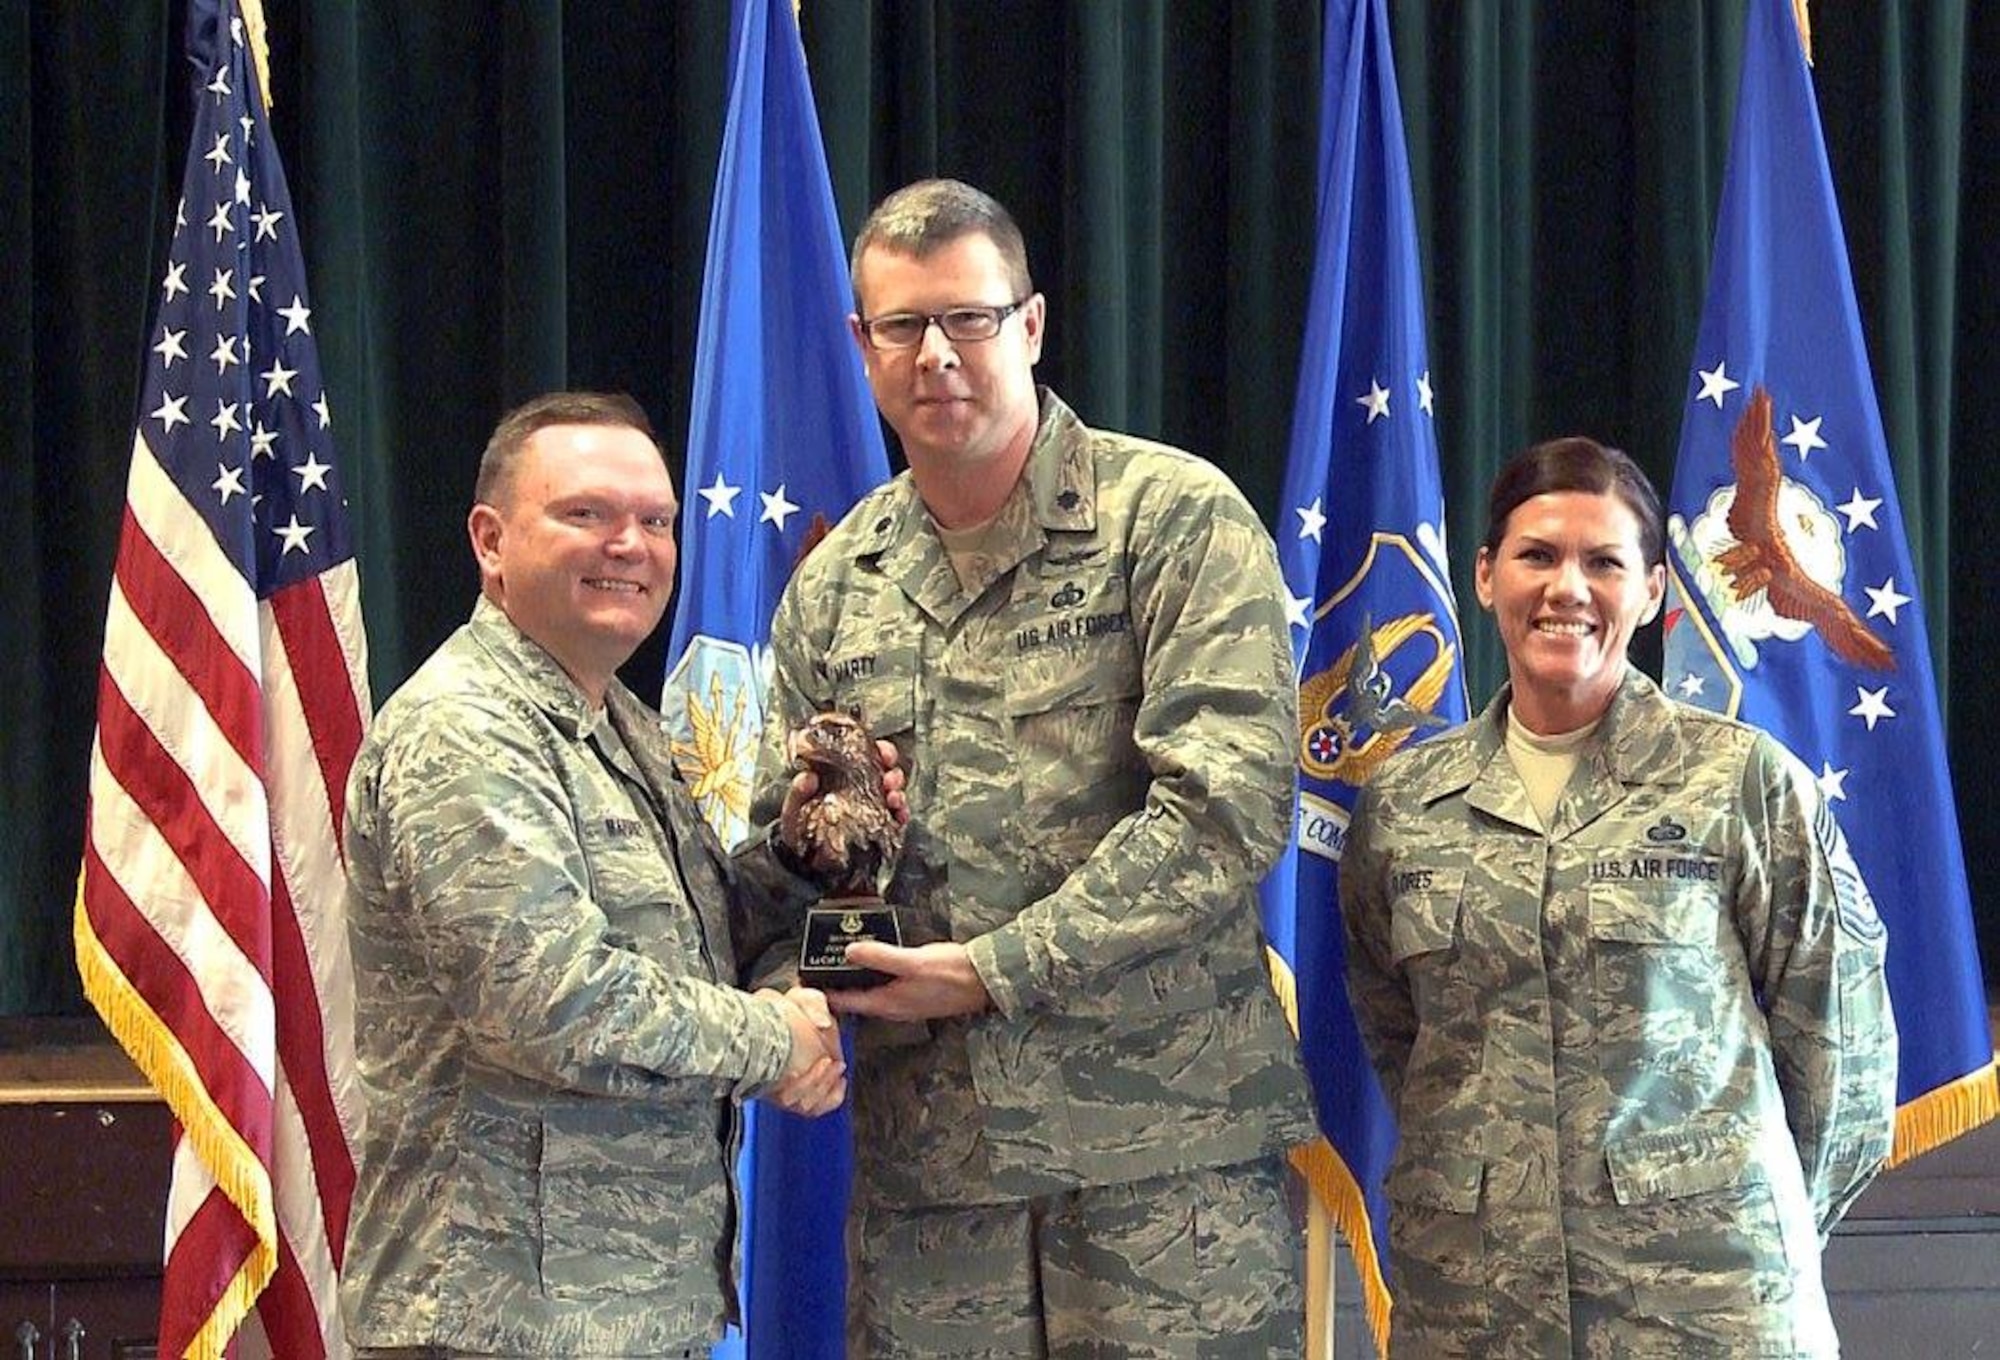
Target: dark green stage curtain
{"x":499,"y":199}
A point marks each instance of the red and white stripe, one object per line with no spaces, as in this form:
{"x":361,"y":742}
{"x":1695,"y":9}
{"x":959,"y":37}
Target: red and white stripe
{"x":211,"y":920}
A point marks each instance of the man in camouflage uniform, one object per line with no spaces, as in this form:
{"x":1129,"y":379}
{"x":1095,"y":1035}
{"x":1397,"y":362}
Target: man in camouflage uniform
{"x":1072,"y":1098}
{"x":549,"y":1045}
{"x":1641,"y":1060}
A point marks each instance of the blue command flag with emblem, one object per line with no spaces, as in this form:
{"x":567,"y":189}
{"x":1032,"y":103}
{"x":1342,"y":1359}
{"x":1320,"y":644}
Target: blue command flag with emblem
{"x":1374,"y":625}
{"x":1792,"y":603}
{"x":782,"y":434}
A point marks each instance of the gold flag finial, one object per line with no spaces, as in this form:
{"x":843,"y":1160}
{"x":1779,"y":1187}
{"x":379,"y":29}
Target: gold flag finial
{"x":1804,"y":21}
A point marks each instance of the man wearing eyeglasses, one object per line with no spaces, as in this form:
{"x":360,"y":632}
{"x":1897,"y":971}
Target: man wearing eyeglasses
{"x":1072,"y":1098}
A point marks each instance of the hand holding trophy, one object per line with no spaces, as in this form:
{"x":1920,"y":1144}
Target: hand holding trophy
{"x":847,"y":832}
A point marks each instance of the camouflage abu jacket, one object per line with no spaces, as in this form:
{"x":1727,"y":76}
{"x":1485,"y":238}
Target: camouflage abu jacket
{"x":1609,"y":1146}
{"x":1100,"y":743}
{"x":547,"y":1048}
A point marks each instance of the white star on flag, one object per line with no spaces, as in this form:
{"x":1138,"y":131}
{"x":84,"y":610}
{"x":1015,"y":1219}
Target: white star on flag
{"x":1715,"y":383}
{"x":222,"y":290}
{"x":225,"y":353}
{"x":225,"y":420}
{"x":295,"y":534}
{"x":176,"y":280}
{"x":170,"y":347}
{"x":263,"y":442}
{"x":1860,"y":510}
{"x":1424,"y":394}
{"x":1871,"y":705}
{"x":218,"y":155}
{"x":277,"y":378}
{"x":322,"y":410}
{"x":1298,"y":610}
{"x":721,"y":497}
{"x":219,"y":220}
{"x":1885,"y":599}
{"x":776,"y":508}
{"x":172,"y":410}
{"x":1311,"y":519}
{"x":267,"y":222}
{"x":312,"y":473}
{"x":1376,"y":399}
{"x":296,"y":316}
{"x":1690,"y":685}
{"x":1832,"y":783}
{"x":228,"y":481}
{"x":1805,"y":436}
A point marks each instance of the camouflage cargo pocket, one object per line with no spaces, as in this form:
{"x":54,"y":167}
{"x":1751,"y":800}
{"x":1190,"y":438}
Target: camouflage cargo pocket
{"x":628,"y":1204}
{"x":1699,"y":1224}
{"x":1437,"y":1237}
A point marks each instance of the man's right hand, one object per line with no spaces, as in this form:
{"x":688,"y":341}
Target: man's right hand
{"x":815,"y":1080}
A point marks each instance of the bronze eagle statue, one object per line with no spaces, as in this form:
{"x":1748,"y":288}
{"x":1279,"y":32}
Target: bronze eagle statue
{"x":846,"y":830}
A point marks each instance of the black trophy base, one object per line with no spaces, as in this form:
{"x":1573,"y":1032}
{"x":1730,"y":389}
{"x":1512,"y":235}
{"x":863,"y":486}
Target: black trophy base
{"x":836,"y":923}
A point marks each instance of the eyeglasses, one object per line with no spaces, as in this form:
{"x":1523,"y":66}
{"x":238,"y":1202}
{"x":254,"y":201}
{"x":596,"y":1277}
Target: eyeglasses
{"x":961,"y":325}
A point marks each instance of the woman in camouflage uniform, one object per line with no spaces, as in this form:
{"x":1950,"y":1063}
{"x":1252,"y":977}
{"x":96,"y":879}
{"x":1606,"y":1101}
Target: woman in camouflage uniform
{"x":1619,"y":975}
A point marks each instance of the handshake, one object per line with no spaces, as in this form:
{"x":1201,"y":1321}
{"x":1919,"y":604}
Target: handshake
{"x":815,"y":1080}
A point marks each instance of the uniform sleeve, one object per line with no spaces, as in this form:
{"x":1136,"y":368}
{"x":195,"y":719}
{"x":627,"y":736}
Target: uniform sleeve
{"x":1216,"y":726}
{"x":479,"y":827}
{"x":767,"y":914}
{"x":1817,"y":947}
{"x":1383,"y":1011}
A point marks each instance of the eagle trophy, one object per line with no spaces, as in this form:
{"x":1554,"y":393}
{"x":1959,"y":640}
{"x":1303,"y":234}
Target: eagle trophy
{"x":845,"y":830}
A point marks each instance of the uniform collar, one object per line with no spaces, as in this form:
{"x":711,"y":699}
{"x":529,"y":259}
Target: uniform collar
{"x":1057,"y":493}
{"x":532,"y":670}
{"x":1639,"y":742}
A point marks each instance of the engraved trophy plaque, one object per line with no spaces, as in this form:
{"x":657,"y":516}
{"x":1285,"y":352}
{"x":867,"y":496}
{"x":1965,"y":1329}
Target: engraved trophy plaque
{"x":847,"y":833}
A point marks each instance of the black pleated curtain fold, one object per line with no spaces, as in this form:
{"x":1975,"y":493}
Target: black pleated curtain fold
{"x":495,"y":200}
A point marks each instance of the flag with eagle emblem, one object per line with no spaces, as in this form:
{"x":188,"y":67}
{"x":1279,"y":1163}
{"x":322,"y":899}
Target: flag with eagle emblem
{"x":1791,"y":599}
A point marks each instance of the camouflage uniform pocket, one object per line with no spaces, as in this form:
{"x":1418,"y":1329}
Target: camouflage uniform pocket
{"x":1424,"y":918}
{"x":1438,"y":1237}
{"x":1666,"y":963}
{"x":1699,"y":1225}
{"x":628,"y":1205}
{"x":885,"y":703}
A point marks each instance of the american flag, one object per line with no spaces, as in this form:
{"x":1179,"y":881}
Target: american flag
{"x":210,"y":924}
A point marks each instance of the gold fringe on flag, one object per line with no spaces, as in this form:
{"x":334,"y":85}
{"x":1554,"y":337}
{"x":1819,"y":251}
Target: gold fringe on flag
{"x":236,"y":1169}
{"x":1334,"y":1186}
{"x":1938,"y":1116}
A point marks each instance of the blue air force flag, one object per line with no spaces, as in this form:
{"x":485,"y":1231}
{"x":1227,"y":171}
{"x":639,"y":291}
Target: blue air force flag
{"x":783,"y":435}
{"x":1375,"y":628}
{"x":1792,"y":603}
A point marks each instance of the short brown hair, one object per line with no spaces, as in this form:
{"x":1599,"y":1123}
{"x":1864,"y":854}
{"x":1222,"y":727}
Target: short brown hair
{"x":922,"y":217}
{"x":518,"y":426}
{"x":1575,"y":463}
